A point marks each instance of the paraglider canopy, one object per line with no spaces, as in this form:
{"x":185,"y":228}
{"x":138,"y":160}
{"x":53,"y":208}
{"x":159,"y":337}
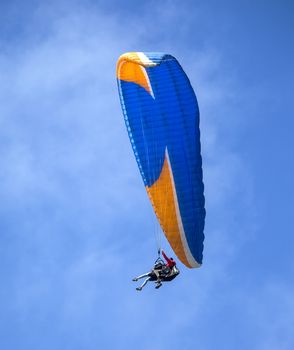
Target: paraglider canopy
{"x":162,"y":118}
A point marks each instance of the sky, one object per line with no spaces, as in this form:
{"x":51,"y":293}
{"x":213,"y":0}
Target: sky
{"x":75,"y":222}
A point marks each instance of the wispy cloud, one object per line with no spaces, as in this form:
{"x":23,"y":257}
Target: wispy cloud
{"x":76,"y":224}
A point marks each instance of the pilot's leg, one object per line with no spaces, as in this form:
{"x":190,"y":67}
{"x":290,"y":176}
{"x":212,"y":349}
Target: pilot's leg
{"x":143,"y":284}
{"x":141,"y":276}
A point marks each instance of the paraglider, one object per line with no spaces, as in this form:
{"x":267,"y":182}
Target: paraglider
{"x":162,"y":272}
{"x":162,"y":119}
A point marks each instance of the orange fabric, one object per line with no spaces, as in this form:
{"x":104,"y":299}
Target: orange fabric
{"x":133,"y":72}
{"x":162,"y":199}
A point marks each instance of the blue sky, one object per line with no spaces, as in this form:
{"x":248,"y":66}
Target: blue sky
{"x":75,"y":222}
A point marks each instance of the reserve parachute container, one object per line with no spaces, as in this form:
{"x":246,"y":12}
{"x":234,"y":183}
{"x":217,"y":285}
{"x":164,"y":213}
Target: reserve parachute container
{"x":162,"y":119}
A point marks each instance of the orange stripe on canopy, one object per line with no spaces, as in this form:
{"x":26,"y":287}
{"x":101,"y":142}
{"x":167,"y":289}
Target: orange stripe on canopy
{"x":161,"y":195}
{"x":133,"y":72}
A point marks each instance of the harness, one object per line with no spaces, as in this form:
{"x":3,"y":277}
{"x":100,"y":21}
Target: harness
{"x":165,"y":273}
